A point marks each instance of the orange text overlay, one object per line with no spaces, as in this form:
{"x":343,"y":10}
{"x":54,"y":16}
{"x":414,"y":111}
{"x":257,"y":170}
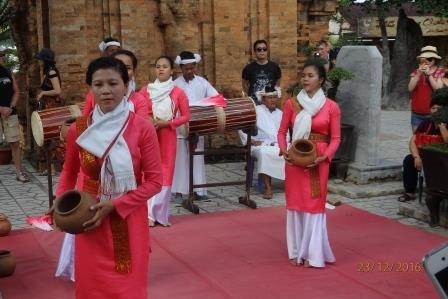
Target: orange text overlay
{"x":389,"y":266}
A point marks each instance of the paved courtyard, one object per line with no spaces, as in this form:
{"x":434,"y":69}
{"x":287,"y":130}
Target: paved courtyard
{"x":19,"y":200}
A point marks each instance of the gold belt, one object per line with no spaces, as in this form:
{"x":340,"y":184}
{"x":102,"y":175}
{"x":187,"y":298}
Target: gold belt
{"x":314,"y":172}
{"x":318,"y":137}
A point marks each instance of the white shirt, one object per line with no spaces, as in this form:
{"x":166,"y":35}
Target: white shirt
{"x":268,"y":124}
{"x":196,"y":89}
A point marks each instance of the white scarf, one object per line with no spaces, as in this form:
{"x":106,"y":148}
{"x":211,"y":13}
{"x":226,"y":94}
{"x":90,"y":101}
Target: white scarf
{"x":162,"y":105}
{"x":131,"y":89}
{"x":302,"y":122}
{"x":117,"y":171}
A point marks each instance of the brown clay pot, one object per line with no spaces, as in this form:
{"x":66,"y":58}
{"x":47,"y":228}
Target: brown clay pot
{"x":5,"y":225}
{"x":64,"y":128}
{"x":302,"y":152}
{"x":71,"y":210}
{"x":7,"y":263}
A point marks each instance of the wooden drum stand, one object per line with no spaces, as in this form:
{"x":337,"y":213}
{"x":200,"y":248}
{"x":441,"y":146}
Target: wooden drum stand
{"x":238,"y":114}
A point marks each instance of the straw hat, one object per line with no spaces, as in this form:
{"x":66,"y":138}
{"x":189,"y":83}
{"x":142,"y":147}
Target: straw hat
{"x":429,"y":52}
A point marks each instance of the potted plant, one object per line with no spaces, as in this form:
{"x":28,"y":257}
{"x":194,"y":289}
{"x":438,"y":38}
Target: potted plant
{"x":335,"y":76}
{"x":5,"y":152}
{"x":435,"y":165}
{"x":435,"y":158}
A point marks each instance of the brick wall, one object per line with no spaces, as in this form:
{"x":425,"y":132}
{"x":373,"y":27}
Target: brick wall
{"x":221,"y":31}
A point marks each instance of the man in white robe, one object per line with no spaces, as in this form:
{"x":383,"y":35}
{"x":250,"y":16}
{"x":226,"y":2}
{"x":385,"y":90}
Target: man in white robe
{"x":196,"y":88}
{"x":264,"y":145}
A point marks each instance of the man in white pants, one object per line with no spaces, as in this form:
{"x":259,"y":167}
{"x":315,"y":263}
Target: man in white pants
{"x":196,"y":88}
{"x":264,"y":145}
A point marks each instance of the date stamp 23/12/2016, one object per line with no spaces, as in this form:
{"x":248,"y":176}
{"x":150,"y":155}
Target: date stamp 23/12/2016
{"x":389,"y":266}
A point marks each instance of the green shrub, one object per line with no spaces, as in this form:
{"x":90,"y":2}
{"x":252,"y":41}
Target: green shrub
{"x":438,"y":147}
{"x":338,"y":74}
{"x":440,"y":96}
{"x":441,"y":116}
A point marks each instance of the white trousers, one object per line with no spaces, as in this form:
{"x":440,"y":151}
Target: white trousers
{"x":66,"y":263}
{"x":268,"y":161}
{"x":182,"y":168}
{"x":159,"y":206}
{"x":307,"y":238}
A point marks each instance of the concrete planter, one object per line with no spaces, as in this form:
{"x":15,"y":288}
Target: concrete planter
{"x":435,"y":166}
{"x":345,"y":152}
{"x":5,"y":155}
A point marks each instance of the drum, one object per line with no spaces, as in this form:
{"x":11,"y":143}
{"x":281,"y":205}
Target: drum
{"x":46,"y":124}
{"x":239,"y":113}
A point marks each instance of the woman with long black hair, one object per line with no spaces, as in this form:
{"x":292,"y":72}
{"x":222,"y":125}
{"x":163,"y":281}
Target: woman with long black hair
{"x":50,"y":95}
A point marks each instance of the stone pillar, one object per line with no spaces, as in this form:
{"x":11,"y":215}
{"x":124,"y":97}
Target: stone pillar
{"x":360,"y":99}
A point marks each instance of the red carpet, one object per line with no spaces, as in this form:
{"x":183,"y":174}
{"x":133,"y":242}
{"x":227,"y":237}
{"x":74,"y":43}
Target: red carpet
{"x":242,"y":254}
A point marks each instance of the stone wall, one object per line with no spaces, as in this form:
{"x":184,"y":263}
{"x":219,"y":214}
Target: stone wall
{"x":221,"y":31}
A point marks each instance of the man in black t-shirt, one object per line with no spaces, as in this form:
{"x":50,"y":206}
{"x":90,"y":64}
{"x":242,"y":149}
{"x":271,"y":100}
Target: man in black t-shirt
{"x":261,"y":72}
{"x":9,"y":122}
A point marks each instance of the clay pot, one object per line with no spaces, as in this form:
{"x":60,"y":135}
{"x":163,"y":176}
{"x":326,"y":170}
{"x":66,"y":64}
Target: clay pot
{"x":7,"y":263}
{"x":64,"y":128}
{"x":71,"y":210}
{"x":5,"y":225}
{"x":302,"y":152}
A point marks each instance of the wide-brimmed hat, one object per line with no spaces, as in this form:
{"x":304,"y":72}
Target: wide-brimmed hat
{"x":46,"y":55}
{"x":429,"y":52}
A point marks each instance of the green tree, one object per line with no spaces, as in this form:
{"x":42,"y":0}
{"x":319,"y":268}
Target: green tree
{"x":435,"y":7}
{"x":5,"y":25}
{"x":381,"y":9}
{"x":6,"y":39}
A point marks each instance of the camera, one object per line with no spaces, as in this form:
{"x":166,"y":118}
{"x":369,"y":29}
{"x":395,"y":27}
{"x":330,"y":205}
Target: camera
{"x":316,"y":55}
{"x":436,"y":265}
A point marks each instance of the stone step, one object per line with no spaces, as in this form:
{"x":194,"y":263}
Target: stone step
{"x":387,"y":169}
{"x":418,"y":210}
{"x":373,"y":189}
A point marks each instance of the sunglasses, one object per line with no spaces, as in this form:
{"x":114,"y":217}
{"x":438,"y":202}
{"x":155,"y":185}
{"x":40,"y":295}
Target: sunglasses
{"x":2,"y":54}
{"x":262,"y":49}
{"x":426,"y":60}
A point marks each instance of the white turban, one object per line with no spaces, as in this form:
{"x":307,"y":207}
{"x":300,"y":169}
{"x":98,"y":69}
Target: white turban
{"x":103,"y":46}
{"x":187,"y":57}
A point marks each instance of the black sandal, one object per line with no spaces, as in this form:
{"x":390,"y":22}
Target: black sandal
{"x":405,"y":197}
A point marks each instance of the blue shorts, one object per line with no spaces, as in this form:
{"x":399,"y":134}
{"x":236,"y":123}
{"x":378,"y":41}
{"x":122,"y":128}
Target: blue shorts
{"x":416,"y":118}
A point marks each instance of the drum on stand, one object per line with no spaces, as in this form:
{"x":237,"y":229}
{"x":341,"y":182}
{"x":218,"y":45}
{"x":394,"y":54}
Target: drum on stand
{"x":46,"y":124}
{"x":240,"y":113}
